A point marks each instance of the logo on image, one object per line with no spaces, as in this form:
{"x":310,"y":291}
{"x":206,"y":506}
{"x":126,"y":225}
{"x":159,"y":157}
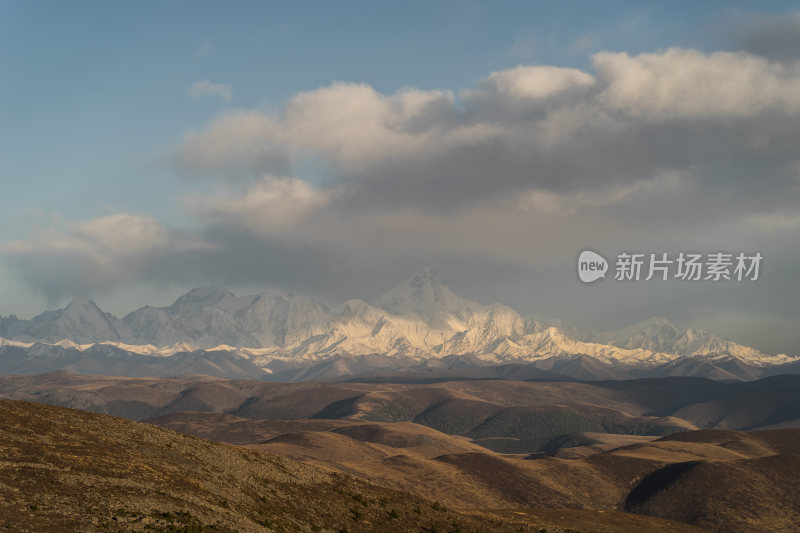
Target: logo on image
{"x":591,"y":266}
{"x":683,"y":266}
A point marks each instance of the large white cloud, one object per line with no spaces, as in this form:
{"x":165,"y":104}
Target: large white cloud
{"x":686,"y":84}
{"x":538,"y":127}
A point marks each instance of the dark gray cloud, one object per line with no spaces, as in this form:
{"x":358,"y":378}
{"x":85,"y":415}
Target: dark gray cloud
{"x":776,"y":38}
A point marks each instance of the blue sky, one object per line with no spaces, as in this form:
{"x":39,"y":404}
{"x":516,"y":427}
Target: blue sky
{"x":96,"y":101}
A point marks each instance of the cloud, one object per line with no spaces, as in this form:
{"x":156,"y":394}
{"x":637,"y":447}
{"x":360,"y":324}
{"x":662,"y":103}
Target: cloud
{"x":203,"y":88}
{"x":531,"y":83}
{"x":270,"y":206}
{"x":687,"y":84}
{"x":570,"y":204}
{"x":94,"y":255}
{"x":646,"y":147}
{"x":546,"y":128}
{"x":238,"y":144}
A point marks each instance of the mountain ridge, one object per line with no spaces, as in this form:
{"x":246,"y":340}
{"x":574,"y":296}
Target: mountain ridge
{"x":422,"y":318}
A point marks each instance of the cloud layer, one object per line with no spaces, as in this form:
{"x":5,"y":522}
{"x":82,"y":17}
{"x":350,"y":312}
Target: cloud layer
{"x":528,"y":128}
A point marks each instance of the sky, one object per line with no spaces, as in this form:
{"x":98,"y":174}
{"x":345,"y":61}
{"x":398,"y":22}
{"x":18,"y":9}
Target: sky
{"x":335,"y":148}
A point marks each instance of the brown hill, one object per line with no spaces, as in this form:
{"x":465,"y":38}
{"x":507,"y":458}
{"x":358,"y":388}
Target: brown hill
{"x":639,"y":475}
{"x":756,"y":490}
{"x":643,"y":407}
{"x":68,"y":470}
{"x":418,"y":459}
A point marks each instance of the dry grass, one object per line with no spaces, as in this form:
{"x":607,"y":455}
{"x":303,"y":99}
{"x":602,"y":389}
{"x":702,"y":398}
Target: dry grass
{"x":68,"y":470}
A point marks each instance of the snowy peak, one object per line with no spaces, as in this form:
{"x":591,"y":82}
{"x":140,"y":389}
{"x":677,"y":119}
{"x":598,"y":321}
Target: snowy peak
{"x":427,"y":296}
{"x":196,"y":299}
{"x":280,"y":319}
{"x":427,"y":276}
{"x":81,"y":321}
{"x":660,"y":335}
{"x":80,"y":305}
{"x":654,"y":333}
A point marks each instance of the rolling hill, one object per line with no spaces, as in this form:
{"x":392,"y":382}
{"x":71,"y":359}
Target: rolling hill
{"x":715,"y":479}
{"x":68,"y":470}
{"x":609,"y":449}
{"x":478,"y":409}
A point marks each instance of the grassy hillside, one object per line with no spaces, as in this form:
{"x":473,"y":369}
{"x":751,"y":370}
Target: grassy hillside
{"x":68,"y":470}
{"x":668,"y":477}
{"x":743,"y":494}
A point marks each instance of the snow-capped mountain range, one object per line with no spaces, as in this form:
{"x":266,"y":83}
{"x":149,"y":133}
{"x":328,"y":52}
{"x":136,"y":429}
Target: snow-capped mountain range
{"x":421,"y":318}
